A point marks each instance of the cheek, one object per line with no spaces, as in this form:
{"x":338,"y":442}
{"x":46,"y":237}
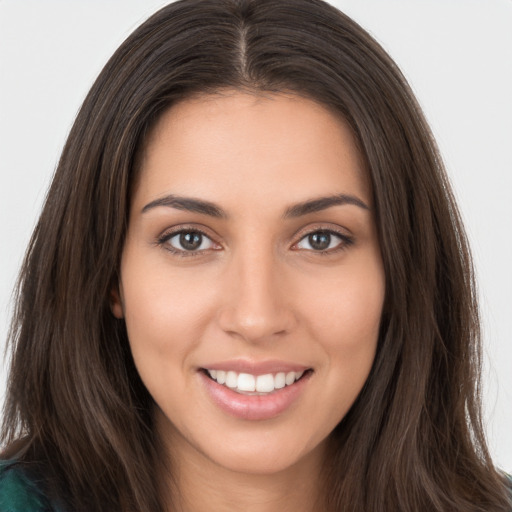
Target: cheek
{"x":345,"y":322}
{"x":346,"y":313}
{"x":165,"y":314}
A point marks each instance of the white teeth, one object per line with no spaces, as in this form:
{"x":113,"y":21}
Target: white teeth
{"x":231,"y":379}
{"x":279,"y":380}
{"x":265,"y":383}
{"x":290,"y":378}
{"x":247,"y":383}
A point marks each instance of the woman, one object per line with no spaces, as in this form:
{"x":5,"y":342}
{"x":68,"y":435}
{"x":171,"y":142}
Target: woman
{"x":249,"y":287}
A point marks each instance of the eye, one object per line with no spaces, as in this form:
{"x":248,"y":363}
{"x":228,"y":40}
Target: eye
{"x":187,"y":241}
{"x":323,"y":241}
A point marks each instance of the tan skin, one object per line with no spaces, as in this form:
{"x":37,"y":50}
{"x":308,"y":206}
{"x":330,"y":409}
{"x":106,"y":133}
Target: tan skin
{"x":266,"y":280}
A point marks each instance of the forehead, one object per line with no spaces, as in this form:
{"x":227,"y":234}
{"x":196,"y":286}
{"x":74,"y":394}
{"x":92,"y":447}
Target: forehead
{"x":279,"y":144}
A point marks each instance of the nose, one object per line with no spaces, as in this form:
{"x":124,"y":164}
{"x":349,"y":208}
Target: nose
{"x":257,"y":305}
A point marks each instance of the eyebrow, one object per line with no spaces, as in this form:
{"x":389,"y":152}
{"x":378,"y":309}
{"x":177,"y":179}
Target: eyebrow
{"x":212,"y":210}
{"x":322,"y":203}
{"x":188,"y":204}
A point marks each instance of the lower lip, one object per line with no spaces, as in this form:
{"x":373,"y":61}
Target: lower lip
{"x":254,"y":407}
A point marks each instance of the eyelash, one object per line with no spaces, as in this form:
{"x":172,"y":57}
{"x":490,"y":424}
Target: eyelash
{"x":345,"y":241}
{"x":168,"y":235}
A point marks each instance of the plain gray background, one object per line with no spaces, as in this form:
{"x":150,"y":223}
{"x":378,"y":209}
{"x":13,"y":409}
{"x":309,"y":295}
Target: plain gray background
{"x":457,"y":55}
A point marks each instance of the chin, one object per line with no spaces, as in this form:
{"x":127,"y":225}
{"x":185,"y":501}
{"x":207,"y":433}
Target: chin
{"x":265,"y":458}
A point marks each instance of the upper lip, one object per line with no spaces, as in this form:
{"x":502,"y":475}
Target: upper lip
{"x":256,"y":367}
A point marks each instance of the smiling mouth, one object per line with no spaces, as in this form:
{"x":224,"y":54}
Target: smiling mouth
{"x":258,"y":385}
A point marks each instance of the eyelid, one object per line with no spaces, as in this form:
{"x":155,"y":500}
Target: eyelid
{"x":346,"y":239}
{"x":338,"y":231}
{"x":169,"y":233}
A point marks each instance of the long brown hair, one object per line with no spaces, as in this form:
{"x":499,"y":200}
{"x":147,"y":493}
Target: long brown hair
{"x":76,"y":409}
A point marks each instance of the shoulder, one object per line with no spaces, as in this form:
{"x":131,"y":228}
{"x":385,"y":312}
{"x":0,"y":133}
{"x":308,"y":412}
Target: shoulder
{"x":18,"y":492}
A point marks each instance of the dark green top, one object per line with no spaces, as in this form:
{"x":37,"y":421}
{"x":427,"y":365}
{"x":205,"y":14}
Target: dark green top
{"x":19,"y":492}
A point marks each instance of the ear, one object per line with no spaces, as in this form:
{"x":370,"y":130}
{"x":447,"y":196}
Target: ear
{"x":116,"y":304}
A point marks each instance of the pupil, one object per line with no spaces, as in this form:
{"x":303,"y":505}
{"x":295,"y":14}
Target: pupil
{"x":320,"y":240}
{"x":190,"y":241}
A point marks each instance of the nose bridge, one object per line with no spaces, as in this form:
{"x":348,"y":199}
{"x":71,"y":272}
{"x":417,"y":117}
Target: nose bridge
{"x":256,"y":307}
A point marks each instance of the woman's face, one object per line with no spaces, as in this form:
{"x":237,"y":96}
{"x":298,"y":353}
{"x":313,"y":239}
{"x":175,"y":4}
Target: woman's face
{"x":251,"y":280}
